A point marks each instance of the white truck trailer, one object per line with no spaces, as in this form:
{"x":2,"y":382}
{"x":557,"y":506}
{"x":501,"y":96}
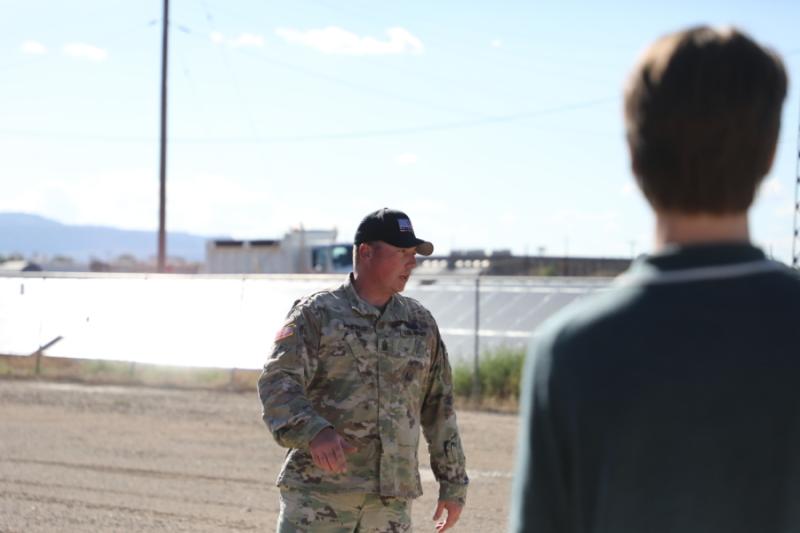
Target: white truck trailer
{"x":300,"y":251}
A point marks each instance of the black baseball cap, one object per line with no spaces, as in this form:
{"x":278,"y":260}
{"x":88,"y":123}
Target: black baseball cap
{"x":393,"y":227}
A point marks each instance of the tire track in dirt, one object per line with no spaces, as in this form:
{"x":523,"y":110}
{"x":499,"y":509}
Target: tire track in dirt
{"x":425,"y":473}
{"x":118,"y":492}
{"x":177,"y":454}
{"x":143,"y":472}
{"x":72,"y":502}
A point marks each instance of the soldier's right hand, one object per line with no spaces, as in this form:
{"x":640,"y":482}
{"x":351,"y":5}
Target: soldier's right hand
{"x":328,"y":451}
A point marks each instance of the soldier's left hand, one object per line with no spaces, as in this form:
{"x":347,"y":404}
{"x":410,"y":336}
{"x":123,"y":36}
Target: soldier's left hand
{"x":453,"y":509}
{"x":328,"y":450}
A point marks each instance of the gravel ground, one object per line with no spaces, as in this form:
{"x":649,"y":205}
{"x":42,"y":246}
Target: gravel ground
{"x":100,"y":458}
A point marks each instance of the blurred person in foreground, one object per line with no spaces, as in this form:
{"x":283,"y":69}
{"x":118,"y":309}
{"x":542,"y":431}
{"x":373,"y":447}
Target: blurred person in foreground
{"x":670,"y":403}
{"x":355,"y":372}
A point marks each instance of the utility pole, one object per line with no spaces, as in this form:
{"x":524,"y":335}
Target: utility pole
{"x":476,"y":358}
{"x":162,"y":205}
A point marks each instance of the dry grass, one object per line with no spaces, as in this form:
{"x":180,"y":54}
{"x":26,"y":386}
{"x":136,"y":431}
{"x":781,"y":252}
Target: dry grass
{"x":96,"y":371}
{"x":104,"y":372}
{"x":487,"y":404}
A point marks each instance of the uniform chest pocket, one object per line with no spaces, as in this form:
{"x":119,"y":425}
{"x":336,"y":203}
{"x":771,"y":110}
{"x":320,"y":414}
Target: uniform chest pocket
{"x":408,"y":357}
{"x":344,"y":350}
{"x":334,"y":350}
{"x":335,"y":358}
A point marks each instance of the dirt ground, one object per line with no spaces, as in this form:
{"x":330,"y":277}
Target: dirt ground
{"x":111,"y":458}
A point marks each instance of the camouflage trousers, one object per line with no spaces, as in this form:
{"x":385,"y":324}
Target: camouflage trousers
{"x":308,"y":511}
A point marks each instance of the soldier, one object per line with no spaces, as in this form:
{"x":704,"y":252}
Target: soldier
{"x":355,"y":372}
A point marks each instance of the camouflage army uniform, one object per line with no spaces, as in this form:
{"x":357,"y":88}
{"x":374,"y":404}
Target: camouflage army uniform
{"x":376,"y":378}
{"x":333,"y":512}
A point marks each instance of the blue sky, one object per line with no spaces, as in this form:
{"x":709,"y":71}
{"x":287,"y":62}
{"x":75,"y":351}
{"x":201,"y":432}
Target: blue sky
{"x":493,"y":124}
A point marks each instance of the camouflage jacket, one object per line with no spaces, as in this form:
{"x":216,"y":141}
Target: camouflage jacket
{"x":376,"y":378}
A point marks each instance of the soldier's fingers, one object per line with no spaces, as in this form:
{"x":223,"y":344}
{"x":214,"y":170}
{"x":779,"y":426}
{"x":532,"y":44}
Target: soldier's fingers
{"x":452,"y":518}
{"x":453,"y":512}
{"x":321,"y":460}
{"x":438,"y":512}
{"x":330,"y":461}
{"x":348,"y":448}
{"x":338,"y":458}
{"x":317,"y":460}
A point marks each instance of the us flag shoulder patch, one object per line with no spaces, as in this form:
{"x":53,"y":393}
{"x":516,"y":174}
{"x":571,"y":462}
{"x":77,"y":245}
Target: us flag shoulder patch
{"x":285,"y":331}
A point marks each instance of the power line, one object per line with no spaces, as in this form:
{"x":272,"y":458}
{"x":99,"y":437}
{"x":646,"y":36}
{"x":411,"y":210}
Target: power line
{"x":343,"y":136}
{"x":345,"y":83}
{"x":428,"y":128}
{"x":352,"y":135}
{"x":241,"y":100}
{"x":504,"y":58}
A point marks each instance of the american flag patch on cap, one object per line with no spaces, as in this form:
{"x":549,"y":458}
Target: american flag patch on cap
{"x":404,"y":224}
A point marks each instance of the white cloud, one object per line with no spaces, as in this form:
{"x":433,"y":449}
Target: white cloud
{"x":247,"y":39}
{"x":206,"y":204}
{"x":333,"y":40}
{"x":497,"y":43}
{"x":784,"y":211}
{"x":575,"y":220}
{"x":214,"y":204}
{"x":629,"y":189}
{"x":124,"y":198}
{"x":772,"y":188}
{"x":33,"y":48}
{"x":243,"y":40}
{"x":85,"y":51}
{"x":509,"y":218}
{"x":406,"y":159}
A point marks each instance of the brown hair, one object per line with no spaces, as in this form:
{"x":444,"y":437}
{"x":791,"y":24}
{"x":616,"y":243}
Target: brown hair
{"x":702,"y":115}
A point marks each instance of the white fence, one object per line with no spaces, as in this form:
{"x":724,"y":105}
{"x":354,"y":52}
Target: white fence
{"x":230,"y":321}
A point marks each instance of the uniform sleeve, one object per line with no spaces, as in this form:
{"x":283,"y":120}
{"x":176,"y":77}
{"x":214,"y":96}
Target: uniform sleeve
{"x":287,"y":412}
{"x":540,"y":490}
{"x":441,"y":431}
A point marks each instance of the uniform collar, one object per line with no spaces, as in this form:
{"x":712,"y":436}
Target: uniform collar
{"x":676,"y":257}
{"x":360,"y":305}
{"x":702,"y":262}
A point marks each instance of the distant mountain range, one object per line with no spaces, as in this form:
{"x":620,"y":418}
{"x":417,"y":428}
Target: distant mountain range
{"x":30,"y":235}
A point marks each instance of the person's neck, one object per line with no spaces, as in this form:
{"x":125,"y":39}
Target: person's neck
{"x":687,"y":229}
{"x":369,"y":291}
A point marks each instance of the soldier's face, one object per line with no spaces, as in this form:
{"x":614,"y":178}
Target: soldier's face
{"x":392,"y":266}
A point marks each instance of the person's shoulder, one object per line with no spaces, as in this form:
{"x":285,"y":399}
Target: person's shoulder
{"x":780,"y":288}
{"x":414,"y":309}
{"x":786,"y":276}
{"x":325,"y":300}
{"x":606,"y":313}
